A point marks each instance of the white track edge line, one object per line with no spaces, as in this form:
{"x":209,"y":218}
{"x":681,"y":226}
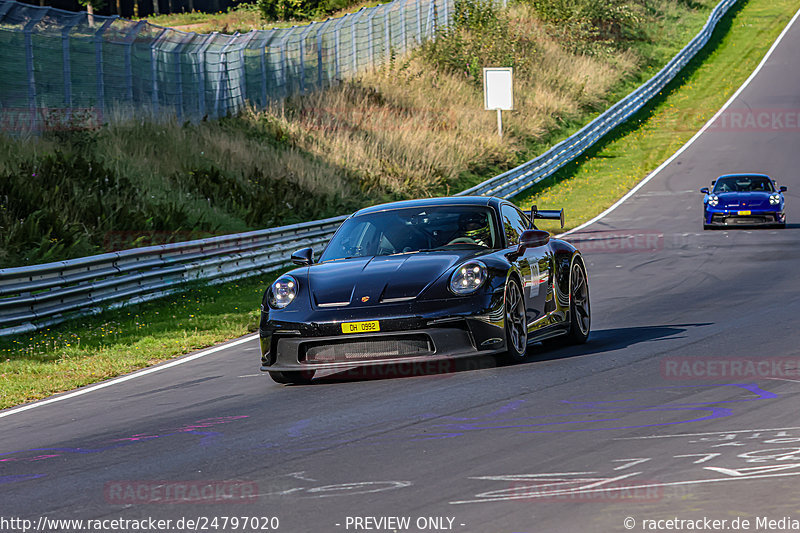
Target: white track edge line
{"x":696,"y":135}
{"x":128,"y":377}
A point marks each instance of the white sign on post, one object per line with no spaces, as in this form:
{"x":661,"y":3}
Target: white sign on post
{"x":498,"y":92}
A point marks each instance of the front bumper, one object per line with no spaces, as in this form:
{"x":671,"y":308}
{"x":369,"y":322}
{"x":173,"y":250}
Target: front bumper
{"x":411,"y":333}
{"x":734,"y":217}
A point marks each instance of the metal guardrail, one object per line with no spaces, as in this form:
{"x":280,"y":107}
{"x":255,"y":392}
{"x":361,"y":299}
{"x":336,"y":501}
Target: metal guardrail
{"x":42,"y":295}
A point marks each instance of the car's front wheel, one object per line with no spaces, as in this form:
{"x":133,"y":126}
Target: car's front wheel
{"x":516,"y":325}
{"x":300,"y":377}
{"x":580,"y":313}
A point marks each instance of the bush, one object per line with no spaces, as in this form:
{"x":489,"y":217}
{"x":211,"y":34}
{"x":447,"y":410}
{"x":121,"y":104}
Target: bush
{"x":479,"y":37}
{"x":583,"y":22}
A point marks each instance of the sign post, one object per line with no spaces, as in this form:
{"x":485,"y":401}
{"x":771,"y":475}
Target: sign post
{"x":498,"y":92}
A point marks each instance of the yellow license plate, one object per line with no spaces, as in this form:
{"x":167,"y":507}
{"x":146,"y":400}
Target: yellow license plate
{"x":361,"y":327}
{"x":744,"y":212}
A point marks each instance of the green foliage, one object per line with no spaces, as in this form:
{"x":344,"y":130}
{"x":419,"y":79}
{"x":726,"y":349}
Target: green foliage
{"x":272,"y":10}
{"x":586,"y":24}
{"x":479,"y":37}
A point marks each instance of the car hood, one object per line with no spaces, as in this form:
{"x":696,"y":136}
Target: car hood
{"x":744,"y":199}
{"x":367,"y":281}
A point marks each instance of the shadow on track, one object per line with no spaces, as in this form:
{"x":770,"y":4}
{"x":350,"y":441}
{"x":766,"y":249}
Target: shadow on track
{"x":606,"y":340}
{"x":600,"y":341}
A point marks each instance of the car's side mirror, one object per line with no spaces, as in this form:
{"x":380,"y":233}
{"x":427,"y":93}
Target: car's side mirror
{"x":303,"y":257}
{"x":713,"y":182}
{"x":532,"y":238}
{"x":783,"y":188}
{"x":704,"y":190}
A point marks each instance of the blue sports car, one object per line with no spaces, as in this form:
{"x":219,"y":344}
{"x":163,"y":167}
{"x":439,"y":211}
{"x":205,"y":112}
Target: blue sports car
{"x":743,"y":199}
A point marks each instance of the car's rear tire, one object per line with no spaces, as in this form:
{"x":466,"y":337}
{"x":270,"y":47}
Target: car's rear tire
{"x":300,"y":377}
{"x":516,"y":324}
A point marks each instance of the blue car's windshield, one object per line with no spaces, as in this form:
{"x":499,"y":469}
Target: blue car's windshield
{"x":743,"y":184}
{"x":412,"y":230}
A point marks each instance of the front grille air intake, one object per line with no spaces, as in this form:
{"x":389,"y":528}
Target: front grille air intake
{"x":368,"y":349}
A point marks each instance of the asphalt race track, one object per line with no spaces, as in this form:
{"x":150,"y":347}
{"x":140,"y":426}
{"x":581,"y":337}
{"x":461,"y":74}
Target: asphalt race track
{"x":685,"y":404}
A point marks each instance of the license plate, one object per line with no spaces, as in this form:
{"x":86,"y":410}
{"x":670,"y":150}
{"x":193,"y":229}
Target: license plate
{"x":744,"y":212}
{"x":361,"y":327}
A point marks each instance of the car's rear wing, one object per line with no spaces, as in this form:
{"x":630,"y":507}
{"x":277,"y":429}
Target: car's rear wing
{"x":547,"y":214}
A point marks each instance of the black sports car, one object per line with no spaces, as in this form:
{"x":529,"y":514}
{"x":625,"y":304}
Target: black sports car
{"x":425,"y":280}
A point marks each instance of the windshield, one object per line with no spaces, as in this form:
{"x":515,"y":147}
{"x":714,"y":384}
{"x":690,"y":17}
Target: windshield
{"x":743,"y":184}
{"x":413,"y":230}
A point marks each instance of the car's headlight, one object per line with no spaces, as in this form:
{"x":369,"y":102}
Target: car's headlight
{"x":713,"y":200}
{"x":282,"y":292}
{"x":468,"y":277}
{"x":774,"y":199}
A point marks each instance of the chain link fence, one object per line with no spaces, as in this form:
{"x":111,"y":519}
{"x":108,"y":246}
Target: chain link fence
{"x":61,"y":68}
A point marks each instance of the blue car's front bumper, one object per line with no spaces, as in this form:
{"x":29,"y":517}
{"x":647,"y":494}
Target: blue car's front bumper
{"x":724,"y":216}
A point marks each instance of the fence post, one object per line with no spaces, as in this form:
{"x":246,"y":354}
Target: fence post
{"x":223,"y":74}
{"x":419,"y":22}
{"x":284,"y":62}
{"x":370,"y":36}
{"x":98,"y":54}
{"x":154,"y":67}
{"x":353,"y":39}
{"x":179,"y":79}
{"x":129,"y":40}
{"x":303,"y":57}
{"x":387,"y":34}
{"x":337,"y":33}
{"x":404,"y":31}
{"x":320,"y":34}
{"x":263,"y":48}
{"x":201,"y":67}
{"x":29,"y":61}
{"x":243,"y":78}
{"x":66,"y":60}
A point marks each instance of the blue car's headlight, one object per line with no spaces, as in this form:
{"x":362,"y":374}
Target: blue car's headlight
{"x":713,"y":200}
{"x":774,"y":199}
{"x":468,"y":278}
{"x":282,"y":292}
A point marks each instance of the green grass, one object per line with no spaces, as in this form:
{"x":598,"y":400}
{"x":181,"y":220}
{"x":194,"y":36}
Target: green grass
{"x":593,"y":182}
{"x":89,"y":350}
